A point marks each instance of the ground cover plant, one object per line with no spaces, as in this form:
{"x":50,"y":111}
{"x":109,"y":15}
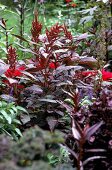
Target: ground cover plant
{"x":56,"y":93}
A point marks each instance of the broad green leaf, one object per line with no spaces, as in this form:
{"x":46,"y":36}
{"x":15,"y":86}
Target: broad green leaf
{"x":4,"y":104}
{"x":6,"y":116}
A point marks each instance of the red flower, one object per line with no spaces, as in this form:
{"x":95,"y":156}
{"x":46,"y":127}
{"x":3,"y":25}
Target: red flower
{"x":14,"y":84}
{"x":11,"y":57}
{"x":53,"y":65}
{"x":106,"y":75}
{"x":73,"y":5}
{"x":68,"y":1}
{"x":10,"y":73}
{"x":90,"y":73}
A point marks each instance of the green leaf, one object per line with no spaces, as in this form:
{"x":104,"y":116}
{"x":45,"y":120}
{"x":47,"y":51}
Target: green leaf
{"x":21,"y":38}
{"x":21,"y":109}
{"x":1,"y":117}
{"x":6,"y":116}
{"x":14,"y":108}
{"x":16,"y":121}
{"x":4,"y":104}
{"x":6,"y":132}
{"x":18,"y":132}
{"x":86,"y":19}
{"x":12,"y":112}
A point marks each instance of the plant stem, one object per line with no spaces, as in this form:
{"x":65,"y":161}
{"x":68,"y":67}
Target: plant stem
{"x":79,"y":165}
{"x":22,"y":20}
{"x":6,"y":40}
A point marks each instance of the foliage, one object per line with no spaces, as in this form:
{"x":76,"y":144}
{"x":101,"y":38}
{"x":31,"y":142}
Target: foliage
{"x":64,"y":85}
{"x":8,"y":117}
{"x":30,"y":150}
{"x":96,"y":18}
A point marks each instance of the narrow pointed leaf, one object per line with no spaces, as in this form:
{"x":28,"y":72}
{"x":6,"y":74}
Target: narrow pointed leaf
{"x":90,"y":131}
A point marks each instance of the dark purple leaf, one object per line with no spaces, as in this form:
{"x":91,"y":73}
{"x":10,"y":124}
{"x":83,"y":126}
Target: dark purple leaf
{"x":66,"y":68}
{"x":88,"y":61}
{"x":72,"y":152}
{"x":48,"y":100}
{"x":90,"y":131}
{"x":95,"y":150}
{"x":8,"y":98}
{"x":52,"y":123}
{"x":11,"y":81}
{"x":75,"y":132}
{"x":29,"y":75}
{"x":66,"y":106}
{"x":82,"y":36}
{"x":93,"y":158}
{"x":110,"y":103}
{"x":36,"y":89}
{"x":3,"y":67}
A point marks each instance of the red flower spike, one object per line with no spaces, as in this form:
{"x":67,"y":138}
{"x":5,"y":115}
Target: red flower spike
{"x":11,"y":57}
{"x":53,"y":33}
{"x":36,"y":28}
{"x":67,"y":33}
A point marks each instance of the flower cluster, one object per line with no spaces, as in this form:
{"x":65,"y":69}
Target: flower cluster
{"x":11,"y":57}
{"x":36,"y":29}
{"x":71,"y":3}
{"x":67,"y":33}
{"x":53,"y":65}
{"x":54,"y":32}
{"x":13,"y":71}
{"x":17,"y":72}
{"x":106,"y":75}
